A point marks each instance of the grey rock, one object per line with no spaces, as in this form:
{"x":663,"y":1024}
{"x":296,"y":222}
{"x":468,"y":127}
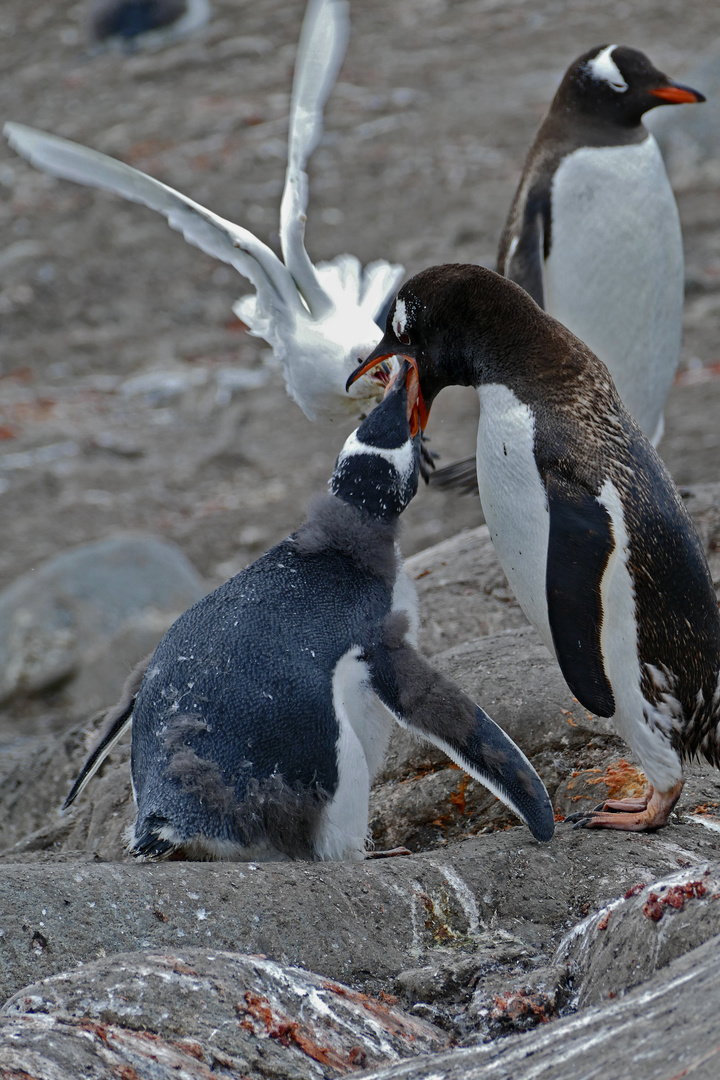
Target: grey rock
{"x":35,"y":777}
{"x":463,"y":591}
{"x":629,"y":939}
{"x":58,"y":619}
{"x":421,"y":799}
{"x":665,"y":1028}
{"x":515,"y":999}
{"x":235,"y":1014}
{"x":362,"y":923}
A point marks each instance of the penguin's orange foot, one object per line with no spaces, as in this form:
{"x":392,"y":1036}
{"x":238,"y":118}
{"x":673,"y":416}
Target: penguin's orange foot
{"x":644,"y":814}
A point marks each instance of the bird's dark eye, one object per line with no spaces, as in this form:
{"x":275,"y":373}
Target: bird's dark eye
{"x":404,"y":338}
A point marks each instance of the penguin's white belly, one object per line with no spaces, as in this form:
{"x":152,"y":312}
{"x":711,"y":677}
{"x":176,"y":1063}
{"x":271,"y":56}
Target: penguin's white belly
{"x":614,"y":275}
{"x":647,"y":728}
{"x":365,"y":725}
{"x":514,"y":500}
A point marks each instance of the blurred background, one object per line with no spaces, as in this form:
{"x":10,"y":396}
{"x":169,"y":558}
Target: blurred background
{"x":132,"y":400}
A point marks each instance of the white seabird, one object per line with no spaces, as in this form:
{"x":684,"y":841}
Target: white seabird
{"x":318,"y":320}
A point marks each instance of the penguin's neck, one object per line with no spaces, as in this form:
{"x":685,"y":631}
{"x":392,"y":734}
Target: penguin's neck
{"x":333,"y":524}
{"x":517,"y":345}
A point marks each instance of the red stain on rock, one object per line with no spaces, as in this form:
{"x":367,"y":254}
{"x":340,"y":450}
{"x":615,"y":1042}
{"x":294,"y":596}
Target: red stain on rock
{"x":634,"y":890}
{"x":603,"y":924}
{"x":675,"y":897}
{"x":523,"y":1007}
{"x":652,"y":908}
{"x":259,"y":1012}
{"x":622,"y":780}
{"x":457,"y":798}
{"x":357,"y":1057}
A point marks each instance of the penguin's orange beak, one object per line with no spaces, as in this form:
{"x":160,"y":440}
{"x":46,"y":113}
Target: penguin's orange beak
{"x":417,"y":410}
{"x":675,"y":94}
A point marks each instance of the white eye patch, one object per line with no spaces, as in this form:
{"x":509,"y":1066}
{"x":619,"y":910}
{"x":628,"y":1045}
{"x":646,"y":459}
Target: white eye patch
{"x":604,"y":69}
{"x":400,"y":318}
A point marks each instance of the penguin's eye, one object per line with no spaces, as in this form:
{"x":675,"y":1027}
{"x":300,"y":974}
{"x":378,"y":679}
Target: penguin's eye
{"x":403,"y":338}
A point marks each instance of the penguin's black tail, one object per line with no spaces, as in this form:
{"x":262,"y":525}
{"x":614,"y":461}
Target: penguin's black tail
{"x":461,"y":477}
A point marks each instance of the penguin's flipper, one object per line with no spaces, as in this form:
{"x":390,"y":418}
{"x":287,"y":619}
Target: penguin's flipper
{"x":491,"y":756}
{"x":214,"y":235}
{"x":523,"y":248}
{"x":427,"y":702}
{"x":579,"y":547}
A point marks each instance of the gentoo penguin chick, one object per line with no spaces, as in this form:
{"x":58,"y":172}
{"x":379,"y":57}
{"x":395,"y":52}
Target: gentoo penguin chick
{"x":593,"y":233}
{"x":265,"y":711}
{"x":588,"y":525}
{"x":151,"y":24}
{"x":318,"y":319}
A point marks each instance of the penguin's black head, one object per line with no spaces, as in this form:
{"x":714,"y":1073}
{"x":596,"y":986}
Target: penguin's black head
{"x":377,"y":469}
{"x":618,"y":84}
{"x":455,"y":325}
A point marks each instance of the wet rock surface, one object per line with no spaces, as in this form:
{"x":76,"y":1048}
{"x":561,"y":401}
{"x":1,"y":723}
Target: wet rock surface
{"x":249,"y":1016}
{"x":664,"y":1028}
{"x":131,"y":400}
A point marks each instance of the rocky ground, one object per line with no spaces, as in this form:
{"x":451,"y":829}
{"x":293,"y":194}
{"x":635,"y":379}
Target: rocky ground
{"x":131,"y":402}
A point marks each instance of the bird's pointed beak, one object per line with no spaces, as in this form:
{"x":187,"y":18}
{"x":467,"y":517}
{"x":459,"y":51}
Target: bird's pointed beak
{"x":417,"y":410}
{"x":676,"y":94}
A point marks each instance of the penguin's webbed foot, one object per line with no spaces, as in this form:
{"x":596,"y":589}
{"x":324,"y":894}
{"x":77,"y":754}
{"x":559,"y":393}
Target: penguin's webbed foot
{"x":646,"y":813}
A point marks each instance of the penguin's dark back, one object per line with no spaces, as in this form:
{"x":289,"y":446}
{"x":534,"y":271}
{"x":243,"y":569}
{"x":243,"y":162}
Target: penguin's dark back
{"x":677,"y":610}
{"x":249,"y":668}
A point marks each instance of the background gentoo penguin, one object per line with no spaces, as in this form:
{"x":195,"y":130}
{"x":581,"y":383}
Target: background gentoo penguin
{"x":265,"y":711}
{"x":318,"y":320}
{"x":149,"y":24}
{"x":593,"y":233}
{"x":588,"y":525}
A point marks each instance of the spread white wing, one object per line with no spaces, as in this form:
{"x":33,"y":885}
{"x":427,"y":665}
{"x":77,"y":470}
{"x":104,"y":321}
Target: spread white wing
{"x":319,"y":320}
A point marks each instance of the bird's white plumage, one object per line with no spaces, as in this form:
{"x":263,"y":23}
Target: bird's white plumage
{"x":318,"y":320}
{"x":513,"y":498}
{"x":614,"y":221}
{"x":644,"y":726}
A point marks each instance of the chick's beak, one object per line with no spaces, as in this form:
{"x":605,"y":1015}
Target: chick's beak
{"x":417,"y":410}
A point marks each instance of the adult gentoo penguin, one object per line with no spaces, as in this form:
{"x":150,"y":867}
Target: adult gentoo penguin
{"x":593,"y":233}
{"x":588,"y":525}
{"x":265,"y":711}
{"x":145,"y":24}
{"x":318,"y":320}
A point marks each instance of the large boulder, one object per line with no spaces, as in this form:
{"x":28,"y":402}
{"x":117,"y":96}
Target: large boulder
{"x":205,"y":1011}
{"x":88,"y":615}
